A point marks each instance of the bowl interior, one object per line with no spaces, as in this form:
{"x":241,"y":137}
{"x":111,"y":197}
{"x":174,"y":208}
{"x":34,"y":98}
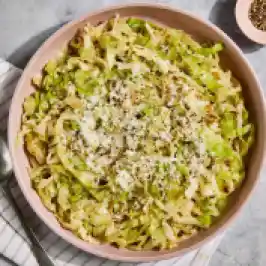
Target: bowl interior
{"x":231,"y":58}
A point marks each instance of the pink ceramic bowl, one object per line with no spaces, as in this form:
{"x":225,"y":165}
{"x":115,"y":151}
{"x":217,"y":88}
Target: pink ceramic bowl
{"x":232,"y":58}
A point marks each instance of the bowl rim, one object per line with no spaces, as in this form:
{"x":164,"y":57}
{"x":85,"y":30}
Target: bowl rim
{"x":73,"y":239}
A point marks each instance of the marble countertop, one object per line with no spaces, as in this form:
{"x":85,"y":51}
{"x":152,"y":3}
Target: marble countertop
{"x":24,"y":25}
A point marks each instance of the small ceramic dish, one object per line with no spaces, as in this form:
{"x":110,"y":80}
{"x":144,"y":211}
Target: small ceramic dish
{"x":231,"y":58}
{"x":245,"y":24}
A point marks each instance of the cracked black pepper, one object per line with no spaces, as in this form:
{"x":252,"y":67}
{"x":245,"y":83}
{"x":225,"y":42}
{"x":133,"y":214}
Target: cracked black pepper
{"x":257,"y":14}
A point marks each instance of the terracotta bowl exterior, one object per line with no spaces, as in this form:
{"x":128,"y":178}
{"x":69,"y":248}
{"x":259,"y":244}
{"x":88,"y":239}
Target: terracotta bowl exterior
{"x":232,"y":58}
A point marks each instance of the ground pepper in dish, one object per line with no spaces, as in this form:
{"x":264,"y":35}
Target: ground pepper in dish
{"x":257,"y":14}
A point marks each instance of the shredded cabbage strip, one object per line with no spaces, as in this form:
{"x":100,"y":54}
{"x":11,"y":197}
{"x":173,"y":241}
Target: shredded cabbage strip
{"x":136,"y":135}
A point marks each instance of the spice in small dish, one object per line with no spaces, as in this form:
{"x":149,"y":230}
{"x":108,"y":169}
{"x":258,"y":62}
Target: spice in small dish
{"x":257,"y":14}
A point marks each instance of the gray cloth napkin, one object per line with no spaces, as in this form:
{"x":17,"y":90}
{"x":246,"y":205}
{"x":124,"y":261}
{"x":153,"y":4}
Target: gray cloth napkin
{"x":14,"y":243}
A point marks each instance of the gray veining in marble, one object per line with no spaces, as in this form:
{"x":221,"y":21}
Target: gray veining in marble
{"x":24,"y":25}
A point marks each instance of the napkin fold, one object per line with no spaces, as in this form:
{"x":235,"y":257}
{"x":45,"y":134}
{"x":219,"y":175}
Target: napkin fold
{"x":14,"y":243}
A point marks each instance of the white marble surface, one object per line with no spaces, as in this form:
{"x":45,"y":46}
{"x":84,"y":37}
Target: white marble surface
{"x":24,"y":25}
